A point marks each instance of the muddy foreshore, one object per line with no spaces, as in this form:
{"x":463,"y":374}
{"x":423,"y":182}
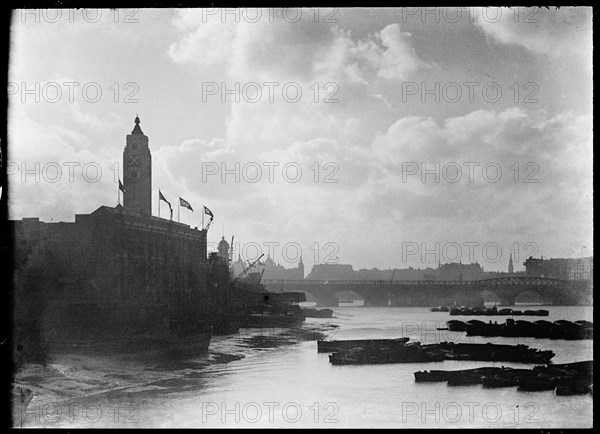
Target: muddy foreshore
{"x":40,"y":391}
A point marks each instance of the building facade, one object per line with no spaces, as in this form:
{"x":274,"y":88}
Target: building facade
{"x":561,"y":268}
{"x":118,"y":265}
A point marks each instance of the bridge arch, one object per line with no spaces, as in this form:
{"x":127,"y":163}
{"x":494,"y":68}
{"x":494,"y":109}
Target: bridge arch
{"x":324,"y":296}
{"x":348,"y":295}
{"x":464,"y":297}
{"x":489,"y":296}
{"x":530,"y":296}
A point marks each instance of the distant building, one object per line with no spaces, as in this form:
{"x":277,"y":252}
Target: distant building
{"x":274,"y":270}
{"x":560,"y":268}
{"x":510,"y":265}
{"x":581,"y":268}
{"x":238,"y":266}
{"x":223,"y":250}
{"x":331,"y":271}
{"x":459,"y":271}
{"x":451,"y":271}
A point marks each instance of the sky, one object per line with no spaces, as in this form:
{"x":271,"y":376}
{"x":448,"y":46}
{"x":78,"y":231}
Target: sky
{"x":376,"y":137}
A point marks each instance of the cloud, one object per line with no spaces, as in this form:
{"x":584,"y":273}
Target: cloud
{"x":399,"y":58}
{"x":303,"y":50}
{"x":374,"y":194}
{"x":553,"y":31}
{"x":208,"y":45}
{"x":56,"y":170}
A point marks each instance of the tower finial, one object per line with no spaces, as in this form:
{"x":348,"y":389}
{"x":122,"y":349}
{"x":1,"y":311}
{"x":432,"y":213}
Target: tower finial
{"x":137,"y":129}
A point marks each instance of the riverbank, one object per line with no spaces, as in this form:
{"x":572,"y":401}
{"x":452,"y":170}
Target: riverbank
{"x":61,"y":388}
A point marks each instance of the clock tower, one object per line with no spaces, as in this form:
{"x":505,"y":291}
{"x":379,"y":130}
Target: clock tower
{"x":137,"y":172}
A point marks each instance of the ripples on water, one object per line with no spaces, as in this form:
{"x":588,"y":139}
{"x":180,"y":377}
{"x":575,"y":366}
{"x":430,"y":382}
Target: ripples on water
{"x":275,"y":378}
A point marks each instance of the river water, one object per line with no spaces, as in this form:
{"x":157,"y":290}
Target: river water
{"x":259,"y":378}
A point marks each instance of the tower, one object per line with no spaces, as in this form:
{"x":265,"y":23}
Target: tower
{"x":301,"y":269}
{"x":137,"y":172}
{"x":223,"y":249}
{"x":510,"y":265}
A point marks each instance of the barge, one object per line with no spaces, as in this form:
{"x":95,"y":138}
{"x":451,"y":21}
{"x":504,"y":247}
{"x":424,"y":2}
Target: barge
{"x":541,"y":329}
{"x":415,"y":352}
{"x":371,"y":344}
{"x":564,"y":379}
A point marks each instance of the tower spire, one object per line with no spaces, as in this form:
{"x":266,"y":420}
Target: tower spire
{"x":137,"y":172}
{"x":137,"y":129}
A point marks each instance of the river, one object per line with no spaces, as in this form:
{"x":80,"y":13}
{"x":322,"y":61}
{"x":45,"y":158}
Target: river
{"x":259,"y":378}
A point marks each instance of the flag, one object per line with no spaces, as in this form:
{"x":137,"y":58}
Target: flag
{"x":185,"y":203}
{"x":209,"y":212}
{"x":122,"y":187}
{"x":161,"y":197}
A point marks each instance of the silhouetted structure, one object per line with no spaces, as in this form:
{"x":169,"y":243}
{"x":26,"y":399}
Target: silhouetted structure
{"x":450,"y":271}
{"x":116,"y":271}
{"x":561,"y":268}
{"x":272,"y":270}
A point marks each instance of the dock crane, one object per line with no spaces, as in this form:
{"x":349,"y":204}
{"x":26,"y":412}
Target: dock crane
{"x":248,"y":268}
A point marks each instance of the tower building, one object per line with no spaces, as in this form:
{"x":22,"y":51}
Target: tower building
{"x":137,"y":172}
{"x":223,"y":249}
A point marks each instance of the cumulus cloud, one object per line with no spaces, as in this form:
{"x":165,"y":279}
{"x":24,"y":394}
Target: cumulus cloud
{"x":375,"y":191}
{"x":399,"y":58}
{"x":552,"y":31}
{"x":305,"y":50}
{"x":54,"y":169}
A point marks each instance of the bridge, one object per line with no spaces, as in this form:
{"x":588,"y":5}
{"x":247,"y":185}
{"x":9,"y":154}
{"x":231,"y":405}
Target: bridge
{"x":445,"y":293}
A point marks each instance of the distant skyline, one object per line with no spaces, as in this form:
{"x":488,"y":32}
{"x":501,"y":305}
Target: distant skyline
{"x":429,"y":266}
{"x":503,"y":95}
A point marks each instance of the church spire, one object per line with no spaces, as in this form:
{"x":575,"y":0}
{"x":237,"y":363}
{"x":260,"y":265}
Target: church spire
{"x":137,"y":129}
{"x":300,"y":268}
{"x":510,"y":264}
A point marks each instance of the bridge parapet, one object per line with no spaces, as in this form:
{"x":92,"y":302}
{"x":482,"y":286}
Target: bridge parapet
{"x":366,"y":282}
{"x":529,"y":280}
{"x":440,"y":292}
